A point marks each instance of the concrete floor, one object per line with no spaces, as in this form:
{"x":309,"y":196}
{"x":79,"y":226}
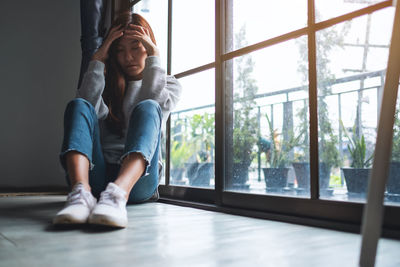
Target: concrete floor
{"x":167,"y":235}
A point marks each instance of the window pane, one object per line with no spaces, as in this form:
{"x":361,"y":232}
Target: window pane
{"x":192,"y":34}
{"x":156,"y":13}
{"x":265,"y":19}
{"x":328,"y":9}
{"x":269,"y":133}
{"x":192,"y":132}
{"x":350,"y":77}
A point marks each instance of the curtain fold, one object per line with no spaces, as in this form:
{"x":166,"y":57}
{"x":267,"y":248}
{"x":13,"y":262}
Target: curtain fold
{"x":93,"y":13}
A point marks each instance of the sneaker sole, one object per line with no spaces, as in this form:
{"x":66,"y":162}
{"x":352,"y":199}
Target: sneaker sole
{"x":106,"y":221}
{"x":66,"y":219}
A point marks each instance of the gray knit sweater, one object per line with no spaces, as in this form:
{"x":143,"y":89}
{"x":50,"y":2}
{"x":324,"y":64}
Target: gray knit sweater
{"x":155,"y":85}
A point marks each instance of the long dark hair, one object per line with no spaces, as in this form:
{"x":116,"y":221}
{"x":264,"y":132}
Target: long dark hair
{"x":115,"y":79}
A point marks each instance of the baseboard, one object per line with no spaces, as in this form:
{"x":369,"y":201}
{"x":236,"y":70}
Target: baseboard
{"x":33,"y":190}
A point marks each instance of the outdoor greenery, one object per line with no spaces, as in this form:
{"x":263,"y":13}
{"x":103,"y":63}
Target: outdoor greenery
{"x":335,"y":181}
{"x":357,"y":149}
{"x":245,"y":125}
{"x":180,"y":153}
{"x":278,"y":154}
{"x":193,"y":140}
{"x":202,"y":136}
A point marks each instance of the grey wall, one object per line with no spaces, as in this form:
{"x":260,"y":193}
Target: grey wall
{"x":39,"y":67}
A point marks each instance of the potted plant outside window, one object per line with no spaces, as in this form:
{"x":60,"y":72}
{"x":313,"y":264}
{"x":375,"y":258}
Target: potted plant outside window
{"x":357,"y":175}
{"x":278,"y":159}
{"x":328,"y":157}
{"x":201,"y":171}
{"x":244,"y":140}
{"x":301,"y":161}
{"x":328,"y":152}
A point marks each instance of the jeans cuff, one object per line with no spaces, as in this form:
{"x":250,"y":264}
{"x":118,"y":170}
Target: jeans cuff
{"x":91,"y":164}
{"x":121,"y":159}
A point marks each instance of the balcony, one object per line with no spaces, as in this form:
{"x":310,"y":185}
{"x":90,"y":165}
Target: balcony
{"x":284,"y":114}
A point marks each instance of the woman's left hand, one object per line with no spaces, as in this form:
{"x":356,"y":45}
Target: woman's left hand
{"x":142,"y":35}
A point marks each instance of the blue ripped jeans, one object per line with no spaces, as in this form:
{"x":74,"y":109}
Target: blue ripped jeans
{"x":82,"y":134}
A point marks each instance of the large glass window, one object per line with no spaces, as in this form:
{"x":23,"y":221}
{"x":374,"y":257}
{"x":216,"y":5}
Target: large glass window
{"x":264,"y":106}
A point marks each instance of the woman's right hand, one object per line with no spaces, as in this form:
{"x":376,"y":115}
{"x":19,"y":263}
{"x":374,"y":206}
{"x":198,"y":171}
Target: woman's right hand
{"x":102,"y":53}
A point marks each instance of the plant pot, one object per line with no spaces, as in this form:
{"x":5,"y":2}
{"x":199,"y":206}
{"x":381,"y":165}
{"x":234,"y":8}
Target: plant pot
{"x":177,"y":174}
{"x":302,"y":172}
{"x":324,"y":175}
{"x":393,"y":183}
{"x":199,"y":174}
{"x":356,"y":179}
{"x":191,"y":169}
{"x":275,"y":177}
{"x":240,"y":176}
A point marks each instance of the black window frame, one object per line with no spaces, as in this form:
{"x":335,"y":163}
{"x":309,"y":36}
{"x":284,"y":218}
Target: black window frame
{"x":311,"y":211}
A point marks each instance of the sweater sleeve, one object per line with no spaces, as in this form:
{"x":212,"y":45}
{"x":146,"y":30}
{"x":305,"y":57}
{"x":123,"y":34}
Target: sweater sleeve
{"x":156,"y":85}
{"x":92,"y":88}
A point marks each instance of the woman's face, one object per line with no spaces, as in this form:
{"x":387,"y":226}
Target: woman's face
{"x":131,"y":56}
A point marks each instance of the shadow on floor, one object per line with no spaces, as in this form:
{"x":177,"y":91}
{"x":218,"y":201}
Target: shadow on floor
{"x":86,"y":228}
{"x":42,"y":213}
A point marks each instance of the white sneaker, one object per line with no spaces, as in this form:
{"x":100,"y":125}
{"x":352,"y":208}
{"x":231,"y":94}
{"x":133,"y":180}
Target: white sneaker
{"x":111,"y":208}
{"x":78,"y":207}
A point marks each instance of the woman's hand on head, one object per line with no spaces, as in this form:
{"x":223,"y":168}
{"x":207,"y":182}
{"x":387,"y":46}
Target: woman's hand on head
{"x":142,"y":35}
{"x":102,"y":53}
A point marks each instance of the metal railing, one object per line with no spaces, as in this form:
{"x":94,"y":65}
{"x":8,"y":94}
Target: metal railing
{"x":339,"y":89}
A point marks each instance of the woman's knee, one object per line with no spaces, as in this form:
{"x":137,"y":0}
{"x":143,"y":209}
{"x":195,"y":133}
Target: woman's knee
{"x":148,"y":105}
{"x":80,"y":103}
